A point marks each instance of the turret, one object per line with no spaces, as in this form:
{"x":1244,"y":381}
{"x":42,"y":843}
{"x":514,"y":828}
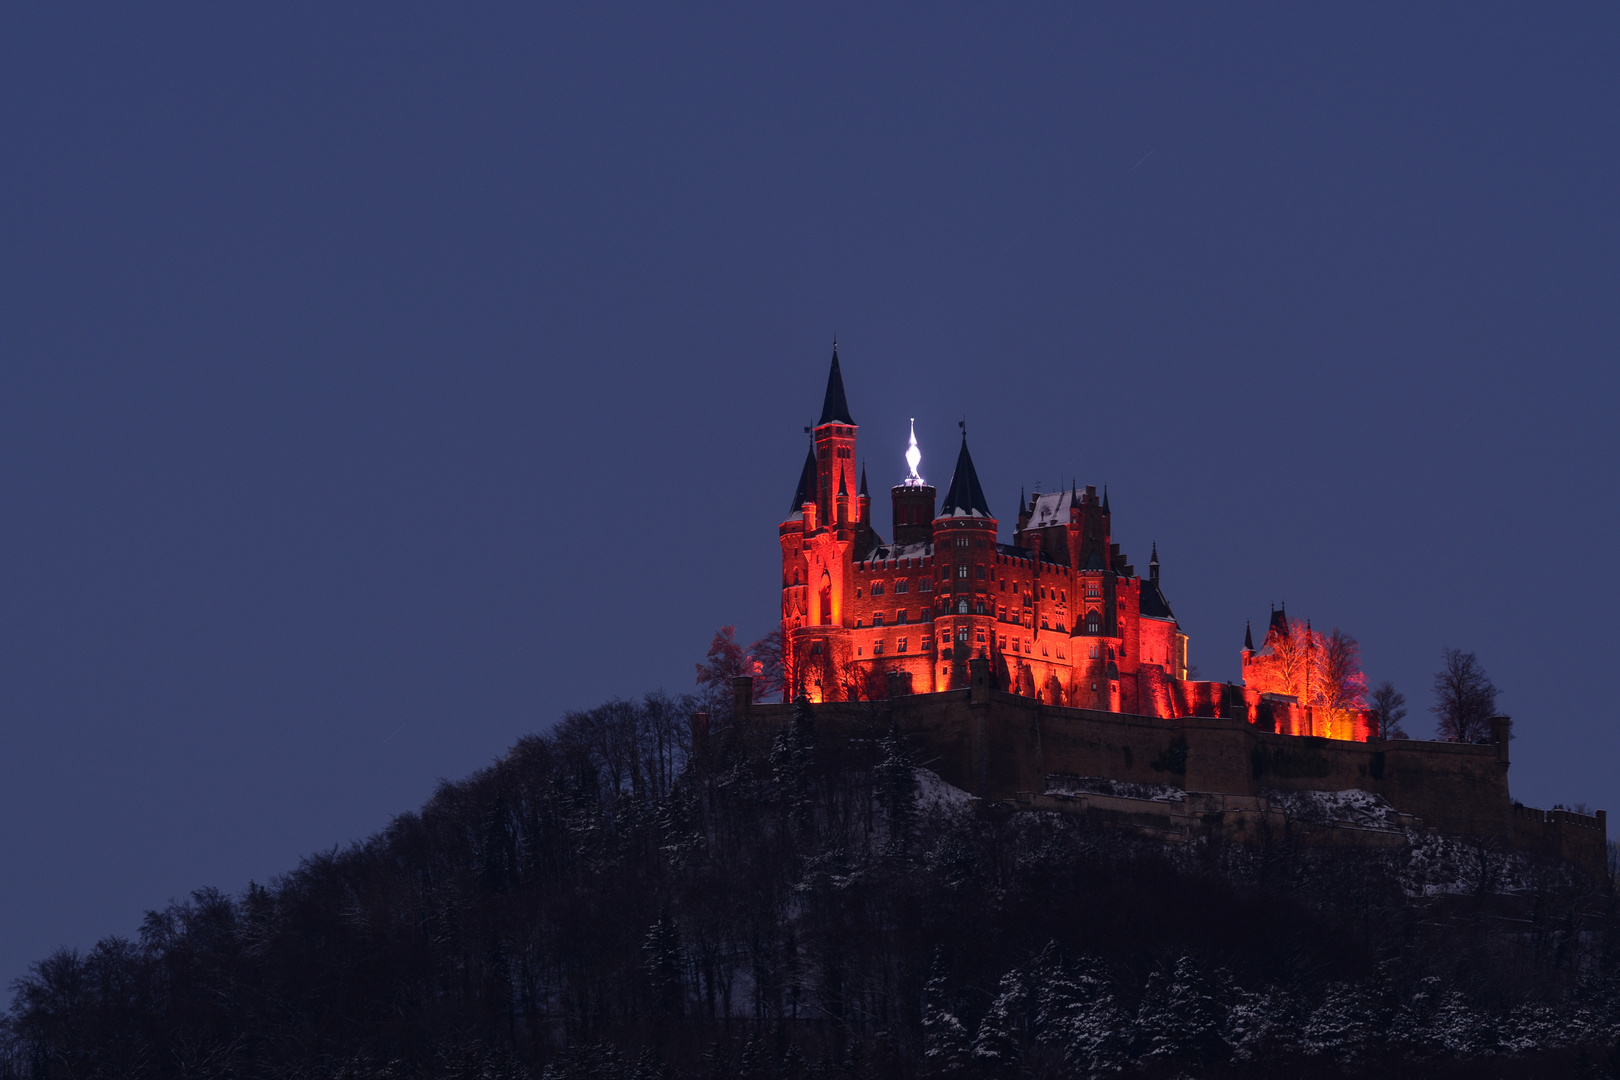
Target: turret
{"x":964,"y":553}
{"x":835,"y":446}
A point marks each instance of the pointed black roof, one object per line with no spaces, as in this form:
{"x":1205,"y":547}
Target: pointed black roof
{"x":1154,"y":605}
{"x":1279,"y":623}
{"x":863,"y":482}
{"x":834,"y":409}
{"x":1248,"y":637}
{"x":965,"y":498}
{"x":1105,"y":499}
{"x":807,"y":484}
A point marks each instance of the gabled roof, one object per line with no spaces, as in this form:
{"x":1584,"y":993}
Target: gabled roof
{"x":807,"y":484}
{"x":1051,"y":509}
{"x":965,"y":498}
{"x":834,"y":409}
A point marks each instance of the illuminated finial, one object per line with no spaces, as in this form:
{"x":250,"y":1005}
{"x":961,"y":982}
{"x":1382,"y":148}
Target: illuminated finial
{"x":913,"y":457}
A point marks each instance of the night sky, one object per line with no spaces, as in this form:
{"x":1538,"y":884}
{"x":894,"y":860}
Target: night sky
{"x":379,"y":383}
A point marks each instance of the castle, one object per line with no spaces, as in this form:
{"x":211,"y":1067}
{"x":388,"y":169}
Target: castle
{"x":1046,"y":674}
{"x":1060,"y":613}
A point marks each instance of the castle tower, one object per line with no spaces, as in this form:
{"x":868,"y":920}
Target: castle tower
{"x":913,"y":500}
{"x":964,"y":557}
{"x":835,"y":451}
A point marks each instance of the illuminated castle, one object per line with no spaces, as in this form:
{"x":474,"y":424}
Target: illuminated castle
{"x":1060,"y":613}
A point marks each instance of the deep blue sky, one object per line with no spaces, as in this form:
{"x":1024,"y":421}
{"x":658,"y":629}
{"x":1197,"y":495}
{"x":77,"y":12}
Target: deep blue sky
{"x":377,"y":383}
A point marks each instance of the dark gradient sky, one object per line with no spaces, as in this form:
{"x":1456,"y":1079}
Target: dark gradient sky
{"x":377,"y":383}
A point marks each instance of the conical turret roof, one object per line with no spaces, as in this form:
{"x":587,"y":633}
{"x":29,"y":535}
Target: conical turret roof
{"x":965,"y":498}
{"x":807,"y":484}
{"x":834,"y":409}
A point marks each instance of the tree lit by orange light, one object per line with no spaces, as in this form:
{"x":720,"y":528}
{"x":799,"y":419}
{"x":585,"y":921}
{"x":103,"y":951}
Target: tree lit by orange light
{"x":1319,"y":670}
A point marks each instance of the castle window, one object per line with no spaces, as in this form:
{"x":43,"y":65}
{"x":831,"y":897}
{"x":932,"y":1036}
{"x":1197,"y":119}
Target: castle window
{"x":927,"y":642}
{"x":877,"y":588}
{"x":981,"y":572}
{"x":900,"y":617}
{"x":961,"y":571}
{"x":961,"y":606}
{"x":961,"y":541}
{"x":1092,"y":591}
{"x":1003,"y":644}
{"x":902,"y":586}
{"x":815,"y":649}
{"x":925,"y":584}
{"x":877,"y":648}
{"x":978,"y":607}
{"x":857,"y":624}
{"x":981,"y":637}
{"x":877,"y":618}
{"x":1044,"y":652}
{"x":900,"y":645}
{"x":857,"y":590}
{"x":1064,"y":596}
{"x":857,"y":650}
{"x":961,"y":635}
{"x":1096,"y":654}
{"x":1093,"y":622}
{"x":1003,"y":584}
{"x":979,"y":544}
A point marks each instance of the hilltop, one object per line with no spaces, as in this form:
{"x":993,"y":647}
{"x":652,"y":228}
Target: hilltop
{"x":605,"y":902}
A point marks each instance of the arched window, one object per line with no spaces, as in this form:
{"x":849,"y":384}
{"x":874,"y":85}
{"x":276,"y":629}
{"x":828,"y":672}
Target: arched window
{"x":1093,"y":621}
{"x":961,"y":607}
{"x":825,"y":599}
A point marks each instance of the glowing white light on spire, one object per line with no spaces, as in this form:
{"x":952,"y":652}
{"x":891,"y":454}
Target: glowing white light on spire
{"x":913,"y":455}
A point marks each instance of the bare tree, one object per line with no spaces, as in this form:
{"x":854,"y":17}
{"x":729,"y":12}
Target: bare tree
{"x":724,"y":662}
{"x":1320,"y":670}
{"x":765,"y":664}
{"x":1337,"y":682}
{"x":1389,"y":708}
{"x":1464,"y":698}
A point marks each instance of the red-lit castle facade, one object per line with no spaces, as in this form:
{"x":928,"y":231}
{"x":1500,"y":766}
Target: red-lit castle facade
{"x":1060,"y":613}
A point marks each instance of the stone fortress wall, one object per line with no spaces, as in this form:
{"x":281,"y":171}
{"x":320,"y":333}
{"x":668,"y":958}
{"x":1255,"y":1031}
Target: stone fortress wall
{"x":1002,"y":748}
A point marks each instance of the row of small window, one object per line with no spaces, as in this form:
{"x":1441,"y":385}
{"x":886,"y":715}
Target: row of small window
{"x":901,"y":585}
{"x":901,"y":618}
{"x":926,"y":645}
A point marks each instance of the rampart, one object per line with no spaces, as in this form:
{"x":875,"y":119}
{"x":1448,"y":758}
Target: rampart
{"x":1002,"y":747}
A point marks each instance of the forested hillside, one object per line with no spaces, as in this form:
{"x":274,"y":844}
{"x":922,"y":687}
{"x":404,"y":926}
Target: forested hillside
{"x":607,"y":902}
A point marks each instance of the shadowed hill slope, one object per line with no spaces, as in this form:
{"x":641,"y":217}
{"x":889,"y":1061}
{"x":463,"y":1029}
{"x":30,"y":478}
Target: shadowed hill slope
{"x":603,"y":903}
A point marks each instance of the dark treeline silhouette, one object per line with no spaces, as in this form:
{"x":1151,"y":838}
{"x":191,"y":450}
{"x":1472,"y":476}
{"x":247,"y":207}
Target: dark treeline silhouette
{"x":623,"y":899}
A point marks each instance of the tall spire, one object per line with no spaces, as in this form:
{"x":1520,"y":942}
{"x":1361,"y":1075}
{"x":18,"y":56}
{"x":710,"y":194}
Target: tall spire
{"x":1153,"y":563}
{"x":1105,"y":503}
{"x":834,"y":409}
{"x":863,"y":480}
{"x":806,"y":492}
{"x":1248,"y":637}
{"x":965,"y":498}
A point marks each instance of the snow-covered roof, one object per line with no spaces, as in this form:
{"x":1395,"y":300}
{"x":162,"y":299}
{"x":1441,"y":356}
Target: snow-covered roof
{"x":1052,"y":509}
{"x":899,"y":551}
